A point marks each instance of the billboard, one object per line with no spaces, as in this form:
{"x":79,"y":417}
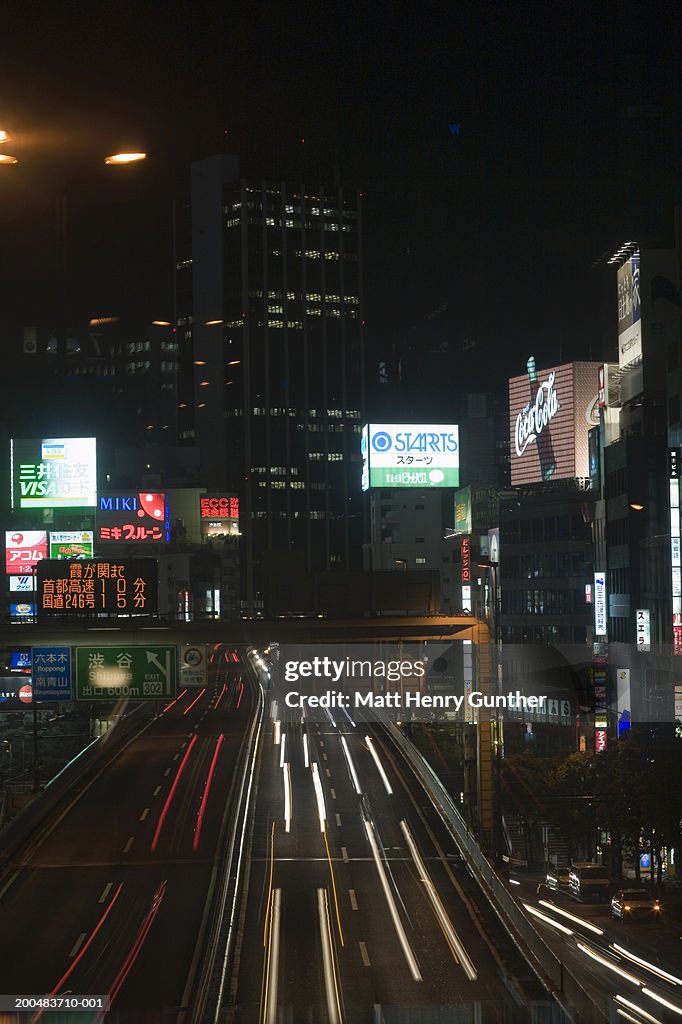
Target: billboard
{"x":551,"y":412}
{"x":409,"y":455}
{"x":600,"y":604}
{"x":54,"y":472}
{"x":643,"y":627}
{"x":219,"y":515}
{"x":22,"y":610}
{"x":15,"y":694}
{"x":22,"y":584}
{"x":74,"y":544}
{"x":129,"y":518}
{"x":463,"y":511}
{"x":629,"y":311}
{"x":123,"y":586}
{"x":23,"y":550}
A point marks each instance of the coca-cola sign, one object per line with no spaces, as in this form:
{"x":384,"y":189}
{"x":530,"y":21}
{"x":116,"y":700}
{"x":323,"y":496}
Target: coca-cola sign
{"x":532,"y":420}
{"x":551,"y":410}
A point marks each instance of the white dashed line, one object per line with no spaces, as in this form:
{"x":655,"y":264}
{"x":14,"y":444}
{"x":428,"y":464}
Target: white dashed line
{"x":365,"y":955}
{"x":353,"y":899}
{"x":167,"y":771}
{"x":105,"y":892}
{"x":129,"y":844}
{"x":338,"y":820}
{"x":344,"y":854}
{"x":321,"y":743}
{"x":176,"y":756}
{"x":183,"y":745}
{"x":77,"y":944}
{"x":328,"y":773}
{"x":332,"y":793}
{"x":156,"y":791}
{"x":144,"y":814}
{"x":324,"y":757}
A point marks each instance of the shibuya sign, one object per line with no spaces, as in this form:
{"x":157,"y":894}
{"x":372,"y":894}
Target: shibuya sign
{"x":532,"y":420}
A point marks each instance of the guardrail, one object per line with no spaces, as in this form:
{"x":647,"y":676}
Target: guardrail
{"x":564,"y":986}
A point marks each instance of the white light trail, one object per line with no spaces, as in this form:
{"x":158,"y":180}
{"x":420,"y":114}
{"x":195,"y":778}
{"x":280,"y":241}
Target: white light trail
{"x":306,"y":754}
{"x":454,"y":942}
{"x":286,"y":775}
{"x":547,"y":920}
{"x":571,"y":917}
{"x":646,"y":965}
{"x":638,"y":1009}
{"x":272,"y":964}
{"x":607,"y":963}
{"x":397,"y":923}
{"x":351,"y":766}
{"x":319,"y":794}
{"x":278,"y":731}
{"x":380,"y":767}
{"x":331,"y":987}
{"x":349,"y":718}
{"x":664,"y":1002}
{"x":281,"y":751}
{"x":330,"y":717}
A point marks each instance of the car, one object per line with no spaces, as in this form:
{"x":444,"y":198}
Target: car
{"x":557,"y":879}
{"x":630,"y":903}
{"x":587,"y":880}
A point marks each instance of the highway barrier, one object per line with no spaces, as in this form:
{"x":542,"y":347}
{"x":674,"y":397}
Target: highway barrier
{"x":578,"y":1003}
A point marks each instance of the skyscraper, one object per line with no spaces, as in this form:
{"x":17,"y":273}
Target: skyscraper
{"x":274,"y":395}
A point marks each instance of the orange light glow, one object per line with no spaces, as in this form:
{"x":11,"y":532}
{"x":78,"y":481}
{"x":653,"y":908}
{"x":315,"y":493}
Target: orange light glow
{"x":212,"y":323}
{"x":5,"y":158}
{"x":125,"y":158}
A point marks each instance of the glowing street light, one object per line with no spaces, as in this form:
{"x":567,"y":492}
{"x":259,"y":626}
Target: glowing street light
{"x":5,"y":158}
{"x":125,"y":158}
{"x":4,"y":136}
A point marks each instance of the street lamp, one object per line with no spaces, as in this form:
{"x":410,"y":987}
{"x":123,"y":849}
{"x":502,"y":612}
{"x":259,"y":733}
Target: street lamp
{"x":125,"y":158}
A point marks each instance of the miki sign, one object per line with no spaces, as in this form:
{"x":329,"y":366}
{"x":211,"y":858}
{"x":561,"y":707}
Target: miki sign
{"x":56,"y":472}
{"x":409,"y":455}
{"x":128,"y":518}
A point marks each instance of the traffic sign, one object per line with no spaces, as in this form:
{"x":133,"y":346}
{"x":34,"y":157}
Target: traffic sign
{"x":193,"y":665}
{"x":139,"y":673}
{"x":51,"y":667}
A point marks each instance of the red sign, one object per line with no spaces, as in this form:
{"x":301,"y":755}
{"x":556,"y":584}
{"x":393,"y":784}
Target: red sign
{"x":677,"y":640}
{"x":24,"y":550}
{"x":600,"y":740}
{"x":466,"y":560}
{"x":219,"y":506}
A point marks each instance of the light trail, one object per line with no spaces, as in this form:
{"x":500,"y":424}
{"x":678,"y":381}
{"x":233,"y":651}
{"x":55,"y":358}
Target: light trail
{"x":547,"y":920}
{"x":608,"y":964}
{"x":571,"y":917}
{"x":241,"y":694}
{"x":171,"y":794}
{"x":457,"y":949}
{"x":207,"y":788}
{"x":646,"y":965}
{"x":286,"y":775}
{"x":331,"y":986}
{"x":222,"y":694}
{"x":138,"y":942}
{"x":393,"y":910}
{"x":281,"y":750}
{"x":179,"y":697}
{"x":272,"y":962}
{"x":330,"y":717}
{"x":272,"y":868}
{"x":190,"y":706}
{"x":336,"y":899}
{"x":664,"y":1002}
{"x":351,"y":766}
{"x":643,"y":1013}
{"x":349,"y":718}
{"x":306,"y":754}
{"x":277,"y":732}
{"x":319,"y":795}
{"x":380,"y":767}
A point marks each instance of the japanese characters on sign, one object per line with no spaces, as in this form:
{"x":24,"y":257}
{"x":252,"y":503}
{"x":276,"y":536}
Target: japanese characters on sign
{"x":124,"y":586}
{"x":15,"y":694}
{"x":54,"y":472}
{"x":643,"y":625}
{"x":139,"y":673}
{"x":76,"y":544}
{"x":629,"y":311}
{"x":219,"y":506}
{"x":51,"y":673}
{"x":133,"y":518}
{"x":23,"y":550}
{"x":600,"y":604}
{"x":674,"y":465}
{"x":407,"y":455}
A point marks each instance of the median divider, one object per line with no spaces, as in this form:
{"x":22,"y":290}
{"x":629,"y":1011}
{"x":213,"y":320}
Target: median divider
{"x":574,"y":998}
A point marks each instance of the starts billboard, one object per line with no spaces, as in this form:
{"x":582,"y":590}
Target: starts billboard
{"x":125,"y":586}
{"x":23,"y":550}
{"x":550,"y":414}
{"x":128,"y":518}
{"x":54,"y":472}
{"x":629,"y":311}
{"x":410,"y":455}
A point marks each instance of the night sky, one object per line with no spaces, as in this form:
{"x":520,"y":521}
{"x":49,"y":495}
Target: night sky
{"x":502,"y":150}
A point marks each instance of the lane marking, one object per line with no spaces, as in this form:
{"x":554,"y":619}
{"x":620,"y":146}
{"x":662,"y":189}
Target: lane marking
{"x":183,"y":745}
{"x":105,"y":892}
{"x":144,"y":814}
{"x":332,"y":793}
{"x":321,"y":743}
{"x":78,"y":943}
{"x":364,"y":955}
{"x":324,"y":757}
{"x":338,"y":820}
{"x":344,"y":854}
{"x":156,"y":791}
{"x":129,"y":844}
{"x":328,"y":773}
{"x":353,"y":899}
{"x":167,"y":772}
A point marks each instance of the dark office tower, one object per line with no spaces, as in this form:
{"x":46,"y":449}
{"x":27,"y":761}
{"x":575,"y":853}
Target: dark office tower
{"x":277,"y":348}
{"x":543,"y":437}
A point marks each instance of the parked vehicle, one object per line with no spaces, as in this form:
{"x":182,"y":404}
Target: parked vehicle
{"x":557,"y":879}
{"x":587,"y":880}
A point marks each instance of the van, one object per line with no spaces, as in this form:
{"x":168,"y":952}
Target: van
{"x":586,"y":880}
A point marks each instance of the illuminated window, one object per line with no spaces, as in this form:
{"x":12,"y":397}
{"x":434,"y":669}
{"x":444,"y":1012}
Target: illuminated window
{"x":331,"y":256}
{"x":297,"y":485}
{"x":291,"y":295}
{"x":275,"y":323}
{"x":312,"y":311}
{"x":315,"y":456}
{"x":275,"y":309}
{"x":270,"y":222}
{"x":335,"y":457}
{"x":295,"y":324}
{"x":313,"y":296}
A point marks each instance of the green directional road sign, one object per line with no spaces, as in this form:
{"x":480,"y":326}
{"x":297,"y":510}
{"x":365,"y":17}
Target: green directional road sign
{"x":139,"y":673}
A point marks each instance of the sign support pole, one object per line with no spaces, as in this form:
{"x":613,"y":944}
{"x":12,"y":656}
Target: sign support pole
{"x":36,"y":769}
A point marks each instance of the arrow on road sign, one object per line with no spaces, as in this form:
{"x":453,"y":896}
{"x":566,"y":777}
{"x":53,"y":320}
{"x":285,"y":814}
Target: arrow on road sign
{"x":153,"y":660}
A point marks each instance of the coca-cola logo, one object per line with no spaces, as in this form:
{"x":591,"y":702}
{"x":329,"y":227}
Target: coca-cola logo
{"x":533,"y":419}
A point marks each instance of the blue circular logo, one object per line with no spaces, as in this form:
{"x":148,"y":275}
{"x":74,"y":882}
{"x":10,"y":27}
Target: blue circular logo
{"x":381,"y":441}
